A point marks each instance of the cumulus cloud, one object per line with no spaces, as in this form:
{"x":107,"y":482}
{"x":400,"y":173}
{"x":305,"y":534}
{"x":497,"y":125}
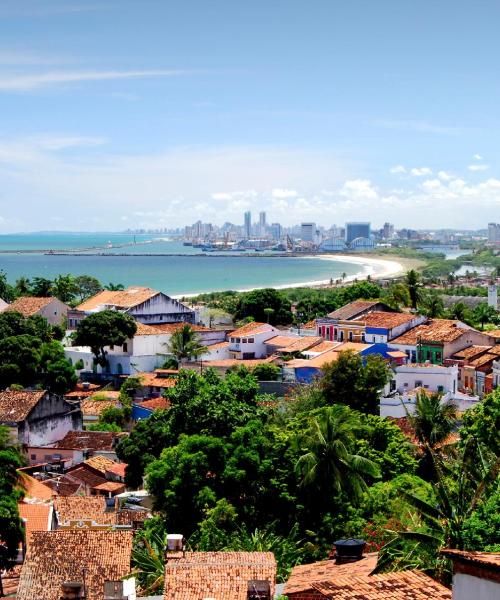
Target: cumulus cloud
{"x":359,"y":188}
{"x":284,"y":193}
{"x":420,"y":171}
{"x":445,"y":176}
{"x":397,"y":169}
{"x":478,"y":167}
{"x":477,"y":157}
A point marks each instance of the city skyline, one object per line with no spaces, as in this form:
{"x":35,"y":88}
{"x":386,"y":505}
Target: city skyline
{"x":121,"y":114}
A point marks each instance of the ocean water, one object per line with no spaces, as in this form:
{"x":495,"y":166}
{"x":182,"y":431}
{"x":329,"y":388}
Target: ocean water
{"x":183,"y":272}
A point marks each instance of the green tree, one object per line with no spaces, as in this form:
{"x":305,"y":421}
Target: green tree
{"x":148,"y":563}
{"x":7,"y":292}
{"x":10,"y":524}
{"x":328,"y":464}
{"x":397,"y":295}
{"x":484,"y":314}
{"x":481,"y":424}
{"x":258,"y":304}
{"x":414,"y":286}
{"x":266,"y":372}
{"x":105,"y":328}
{"x":433,"y":305}
{"x":41,"y":287}
{"x":22,"y":286}
{"x":86,"y":286}
{"x":114,"y":287}
{"x":64,"y":287}
{"x":185,"y":344}
{"x":19,"y":360}
{"x":433,"y":419}
{"x":348,"y":381}
{"x":58,"y":373}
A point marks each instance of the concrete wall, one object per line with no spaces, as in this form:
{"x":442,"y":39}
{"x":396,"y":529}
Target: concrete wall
{"x":257,"y":347}
{"x":468,"y":587}
{"x":55,"y":312}
{"x":49,"y":421}
{"x":162,"y":309}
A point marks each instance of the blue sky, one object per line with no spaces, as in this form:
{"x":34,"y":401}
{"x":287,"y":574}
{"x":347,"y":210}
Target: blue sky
{"x":118,"y":114}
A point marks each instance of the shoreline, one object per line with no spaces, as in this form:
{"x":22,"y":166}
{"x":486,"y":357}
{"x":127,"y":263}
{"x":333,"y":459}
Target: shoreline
{"x":374,"y":266}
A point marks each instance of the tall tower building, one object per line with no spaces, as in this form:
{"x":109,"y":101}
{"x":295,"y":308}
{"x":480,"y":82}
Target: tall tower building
{"x":262,"y":223}
{"x":493,"y":296}
{"x":247,"y":228}
{"x":307,"y":232}
{"x":356,"y":230}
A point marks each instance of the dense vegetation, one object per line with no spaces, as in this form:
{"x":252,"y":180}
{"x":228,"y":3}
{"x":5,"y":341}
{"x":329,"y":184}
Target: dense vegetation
{"x":234,"y":470}
{"x":32,"y":355}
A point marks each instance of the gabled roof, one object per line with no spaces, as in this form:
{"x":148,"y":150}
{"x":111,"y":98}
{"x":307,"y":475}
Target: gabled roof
{"x":156,"y":379}
{"x":128,"y":298}
{"x":470,"y":352}
{"x":143,"y":329}
{"x":36,"y":516}
{"x":218,"y":575}
{"x":55,"y":557}
{"x":34,"y":489}
{"x":173,"y":327}
{"x":484,"y":559}
{"x":89,"y":440}
{"x":155,"y":404}
{"x":100,"y":463}
{"x":94,"y":408}
{"x":403,"y":585}
{"x":385,"y":320}
{"x":15,"y":406}
{"x":302,"y":577}
{"x":353,"y":309}
{"x":251,"y":329}
{"x":81,"y":508}
{"x":435,"y":330}
{"x":29,"y":305}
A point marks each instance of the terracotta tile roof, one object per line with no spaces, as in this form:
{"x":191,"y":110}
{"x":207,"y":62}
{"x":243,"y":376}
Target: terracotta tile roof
{"x":128,"y":298}
{"x":494,"y":333}
{"x":309,"y":325}
{"x":100,"y":463}
{"x":94,"y":408}
{"x":29,"y":305}
{"x":156,"y":404}
{"x":110,"y":486}
{"x":281,"y":340}
{"x":218,"y":575}
{"x":329,"y":356}
{"x":117,"y":469}
{"x":396,"y":354}
{"x":173,"y":327}
{"x":483,"y":360}
{"x":16,"y":406}
{"x":486,"y":559}
{"x":303,"y":576}
{"x":91,"y":440}
{"x":303,"y":343}
{"x":10,"y":581}
{"x":155,"y":379}
{"x":87,"y":475}
{"x":470,"y":352}
{"x":127,"y":516}
{"x":64,"y":486}
{"x":57,"y":556}
{"x":385,"y":320}
{"x":323,"y":346}
{"x":143,"y":329}
{"x":37,"y":517}
{"x":404,"y":585}
{"x":435,"y":330}
{"x":33,"y":488}
{"x":218,"y":346}
{"x":234,"y":362}
{"x":351,"y":310}
{"x":82,"y":508}
{"x":251,"y":329}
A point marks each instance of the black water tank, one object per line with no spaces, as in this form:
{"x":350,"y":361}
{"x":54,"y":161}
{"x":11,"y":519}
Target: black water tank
{"x":349,"y":549}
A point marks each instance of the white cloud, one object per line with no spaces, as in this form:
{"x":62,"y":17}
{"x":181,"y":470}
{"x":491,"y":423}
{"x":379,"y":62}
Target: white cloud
{"x":284,"y":193}
{"x":420,"y":171}
{"x":397,"y":169}
{"x":222,"y":196}
{"x":445,"y":176}
{"x":420,"y":126}
{"x":477,"y":157}
{"x":359,"y":188}
{"x":24,"y":83}
{"x":478,"y":167}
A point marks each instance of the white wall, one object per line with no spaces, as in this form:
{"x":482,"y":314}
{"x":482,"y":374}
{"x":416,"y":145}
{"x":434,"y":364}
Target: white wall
{"x":468,"y":587}
{"x":55,"y":312}
{"x":431,"y":377}
{"x":257,"y":346}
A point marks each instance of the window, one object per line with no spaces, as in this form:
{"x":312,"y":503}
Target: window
{"x":33,"y":456}
{"x":112,"y":347}
{"x":363,"y":337}
{"x":350,"y":336}
{"x":243,"y":340}
{"x":440,"y":388}
{"x":405,"y":385}
{"x":251,"y":340}
{"x":418,"y":383}
{"x":125,"y":347}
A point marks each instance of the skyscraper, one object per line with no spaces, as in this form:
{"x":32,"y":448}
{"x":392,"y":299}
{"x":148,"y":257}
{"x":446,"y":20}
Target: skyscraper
{"x":494,"y":233}
{"x":262,"y":223}
{"x":307,"y":232}
{"x":356,"y":230}
{"x":247,"y":228}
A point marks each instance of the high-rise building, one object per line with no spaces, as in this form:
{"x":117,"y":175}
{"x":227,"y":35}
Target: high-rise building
{"x":262,"y":223}
{"x":388,"y":231}
{"x":307,"y":232}
{"x":247,"y":227}
{"x":493,"y":296}
{"x":276,"y":231}
{"x":356,"y":230}
{"x":493,"y":233}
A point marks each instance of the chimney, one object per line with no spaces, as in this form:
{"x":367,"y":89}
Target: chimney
{"x":348,"y":550}
{"x":176,"y":546}
{"x":72,"y":590}
{"x":259,"y":589}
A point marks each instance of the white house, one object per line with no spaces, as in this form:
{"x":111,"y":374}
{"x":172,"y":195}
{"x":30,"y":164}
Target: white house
{"x":475,"y":574}
{"x":50,"y":308}
{"x":400,"y":394}
{"x":247,"y":342}
{"x":146,"y":305}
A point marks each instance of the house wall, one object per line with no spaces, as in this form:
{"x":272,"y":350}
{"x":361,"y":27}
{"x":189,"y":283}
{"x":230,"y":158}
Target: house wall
{"x":496,"y":373}
{"x":433,"y":378}
{"x":55,"y":312}
{"x":467,"y":586}
{"x":49,"y":421}
{"x":257,"y":347}
{"x":162,"y":309}
{"x":37,"y":455}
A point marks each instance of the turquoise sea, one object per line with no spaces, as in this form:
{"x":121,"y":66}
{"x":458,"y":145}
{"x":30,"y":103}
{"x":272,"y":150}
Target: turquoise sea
{"x":184,"y":271}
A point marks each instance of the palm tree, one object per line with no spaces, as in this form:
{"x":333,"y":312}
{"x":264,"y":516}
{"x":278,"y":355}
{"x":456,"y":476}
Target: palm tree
{"x":414,"y":285}
{"x":434,"y":305}
{"x":185,"y":343}
{"x":483,"y":313}
{"x":23,"y":286}
{"x":459,"y":311}
{"x":114,"y":287}
{"x":433,"y":420}
{"x":327,"y":464}
{"x":441,"y":523}
{"x":148,"y":562}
